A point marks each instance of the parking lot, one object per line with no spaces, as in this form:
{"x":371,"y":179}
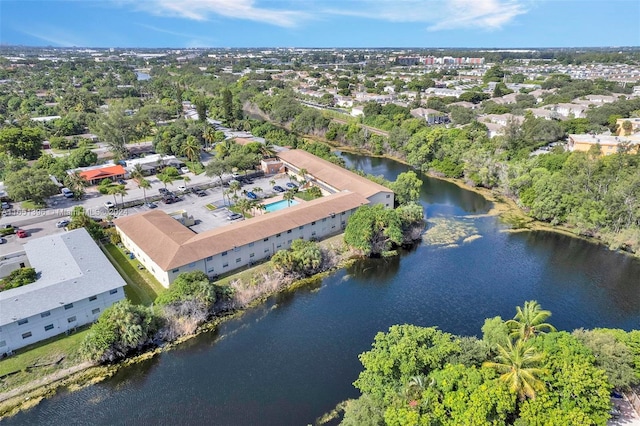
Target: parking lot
{"x":43,"y":222}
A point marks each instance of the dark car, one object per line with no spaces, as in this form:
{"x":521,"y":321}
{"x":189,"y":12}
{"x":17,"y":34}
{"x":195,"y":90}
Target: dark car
{"x":291,"y":185}
{"x":252,"y":195}
{"x":199,"y":192}
{"x":163,"y":191}
{"x":151,"y":205}
{"x":278,"y":188}
{"x":122,"y":181}
{"x":235,"y":216}
{"x":168,"y":200}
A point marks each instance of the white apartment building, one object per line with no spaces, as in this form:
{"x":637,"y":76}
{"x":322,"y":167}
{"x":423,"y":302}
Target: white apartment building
{"x":75,"y":284}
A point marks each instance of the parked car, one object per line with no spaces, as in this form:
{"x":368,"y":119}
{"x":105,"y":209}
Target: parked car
{"x":182,"y":188}
{"x":2,"y":241}
{"x":252,"y":195}
{"x":21,"y":233}
{"x":6,"y":226}
{"x":184,"y":169}
{"x":168,"y":200}
{"x":109,"y":205}
{"x":199,"y":192}
{"x":122,"y":181}
{"x":5,"y":205}
{"x":62,"y":223}
{"x":163,"y":191}
{"x":291,"y":185}
{"x":278,"y":188}
{"x":151,"y":205}
{"x":235,"y":216}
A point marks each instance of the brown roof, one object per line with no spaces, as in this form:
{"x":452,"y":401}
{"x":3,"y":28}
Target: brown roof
{"x":332,"y":174}
{"x":179,"y":248}
{"x":156,"y":233}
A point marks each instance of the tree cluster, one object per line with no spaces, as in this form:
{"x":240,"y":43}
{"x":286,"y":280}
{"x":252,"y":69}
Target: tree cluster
{"x":421,"y":375}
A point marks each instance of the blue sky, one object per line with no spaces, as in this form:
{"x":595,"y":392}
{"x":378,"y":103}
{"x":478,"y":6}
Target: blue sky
{"x":320,"y":23}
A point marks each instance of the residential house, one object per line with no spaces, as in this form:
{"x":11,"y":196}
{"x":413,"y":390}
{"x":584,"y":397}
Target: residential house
{"x":609,"y":144}
{"x":431,"y":116}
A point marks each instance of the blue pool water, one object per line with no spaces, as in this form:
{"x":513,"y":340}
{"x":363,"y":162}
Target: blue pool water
{"x":279,"y":205}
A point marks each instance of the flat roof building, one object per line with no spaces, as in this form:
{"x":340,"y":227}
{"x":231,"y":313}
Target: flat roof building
{"x":75,"y":284}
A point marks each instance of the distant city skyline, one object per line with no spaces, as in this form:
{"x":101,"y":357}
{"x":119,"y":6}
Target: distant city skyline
{"x":321,"y":23}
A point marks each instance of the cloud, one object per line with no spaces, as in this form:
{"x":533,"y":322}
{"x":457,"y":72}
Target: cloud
{"x":202,"y":10}
{"x":439,"y":14}
{"x":54,"y":36}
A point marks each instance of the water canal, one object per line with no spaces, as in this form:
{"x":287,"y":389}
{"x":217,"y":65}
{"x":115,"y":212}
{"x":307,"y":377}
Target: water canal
{"x":293,"y":358}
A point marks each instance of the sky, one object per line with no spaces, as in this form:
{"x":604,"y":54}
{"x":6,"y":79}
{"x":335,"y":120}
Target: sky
{"x":320,"y":23}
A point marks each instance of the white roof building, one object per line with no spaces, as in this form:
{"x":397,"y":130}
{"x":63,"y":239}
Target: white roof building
{"x":75,"y":284}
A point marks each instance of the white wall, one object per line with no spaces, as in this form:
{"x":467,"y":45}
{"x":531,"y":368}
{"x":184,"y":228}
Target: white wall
{"x":83,"y":311}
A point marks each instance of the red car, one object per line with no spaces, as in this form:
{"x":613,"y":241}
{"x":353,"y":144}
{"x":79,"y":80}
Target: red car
{"x":21,"y":233}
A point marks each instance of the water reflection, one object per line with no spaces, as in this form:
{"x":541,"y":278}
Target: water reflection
{"x":374,"y":271}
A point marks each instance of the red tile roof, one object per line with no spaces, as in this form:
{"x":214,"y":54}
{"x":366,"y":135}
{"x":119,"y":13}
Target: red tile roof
{"x":103,"y":173}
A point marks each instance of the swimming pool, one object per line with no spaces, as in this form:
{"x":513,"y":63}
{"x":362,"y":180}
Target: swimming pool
{"x":279,"y":205}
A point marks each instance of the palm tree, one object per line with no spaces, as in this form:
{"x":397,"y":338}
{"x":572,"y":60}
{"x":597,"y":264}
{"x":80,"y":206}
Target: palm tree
{"x":191,"y":148}
{"x":244,"y":206}
{"x":303,"y":172}
{"x":529,"y":321}
{"x":209,"y":135}
{"x":289,"y":195}
{"x":76,"y":183}
{"x":226,"y":192}
{"x":256,"y":190}
{"x":518,"y":366}
{"x":113,"y":189}
{"x":137,"y":172}
{"x":122,"y":191}
{"x":266,"y":149}
{"x":272,"y":182}
{"x":144,"y":184}
{"x":235,"y":186}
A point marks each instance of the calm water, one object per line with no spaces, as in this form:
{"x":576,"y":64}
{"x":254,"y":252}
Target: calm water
{"x":292,"y":359}
{"x":279,"y":205}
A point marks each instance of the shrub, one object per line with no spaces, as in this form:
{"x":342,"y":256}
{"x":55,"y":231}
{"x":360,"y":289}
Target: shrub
{"x":18,"y":278}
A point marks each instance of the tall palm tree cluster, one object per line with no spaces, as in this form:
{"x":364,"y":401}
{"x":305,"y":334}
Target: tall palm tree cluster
{"x":517,"y":361}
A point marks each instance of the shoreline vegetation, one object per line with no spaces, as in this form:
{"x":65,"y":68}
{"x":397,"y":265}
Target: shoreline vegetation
{"x":85,"y":374}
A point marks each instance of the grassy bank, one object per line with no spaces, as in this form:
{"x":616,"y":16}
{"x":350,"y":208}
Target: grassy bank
{"x":142,"y":288}
{"x":35,"y":361}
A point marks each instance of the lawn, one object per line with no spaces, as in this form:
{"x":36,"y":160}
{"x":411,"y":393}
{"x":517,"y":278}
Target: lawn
{"x":304,"y":195}
{"x":59,"y":348}
{"x":142,"y":288}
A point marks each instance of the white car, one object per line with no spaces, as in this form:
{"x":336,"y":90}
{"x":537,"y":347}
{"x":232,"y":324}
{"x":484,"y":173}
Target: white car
{"x":184,"y":169}
{"x":109,"y":204}
{"x":62,"y":223}
{"x":182,"y":188}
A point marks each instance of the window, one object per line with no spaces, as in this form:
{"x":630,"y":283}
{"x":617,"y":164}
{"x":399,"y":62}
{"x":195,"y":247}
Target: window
{"x":224,"y":253}
{"x":289,"y":241}
{"x":238,"y":260}
{"x":324,"y":219}
{"x":343,"y":213}
{"x":71,"y":319}
{"x":92,"y":298}
{"x":301,"y":227}
{"x":266,"y":239}
{"x":236,"y":249}
{"x":114,"y":291}
{"x":175,"y":271}
{"x":23,"y":321}
{"x":313,"y":234}
{"x":252,"y":255}
{"x":95,"y":311}
{"x":225,"y":265}
{"x":388,"y":195}
{"x":210,"y":258}
{"x":45,"y":314}
{"x":289,"y":231}
{"x":251,"y":244}
{"x":279,"y":245}
{"x":313,"y":223}
{"x":68,"y":306}
{"x":26,"y":335}
{"x":48,"y":327}
{"x":192,"y":264}
{"x":266,"y":250}
{"x":3,"y":343}
{"x":277,"y":235}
